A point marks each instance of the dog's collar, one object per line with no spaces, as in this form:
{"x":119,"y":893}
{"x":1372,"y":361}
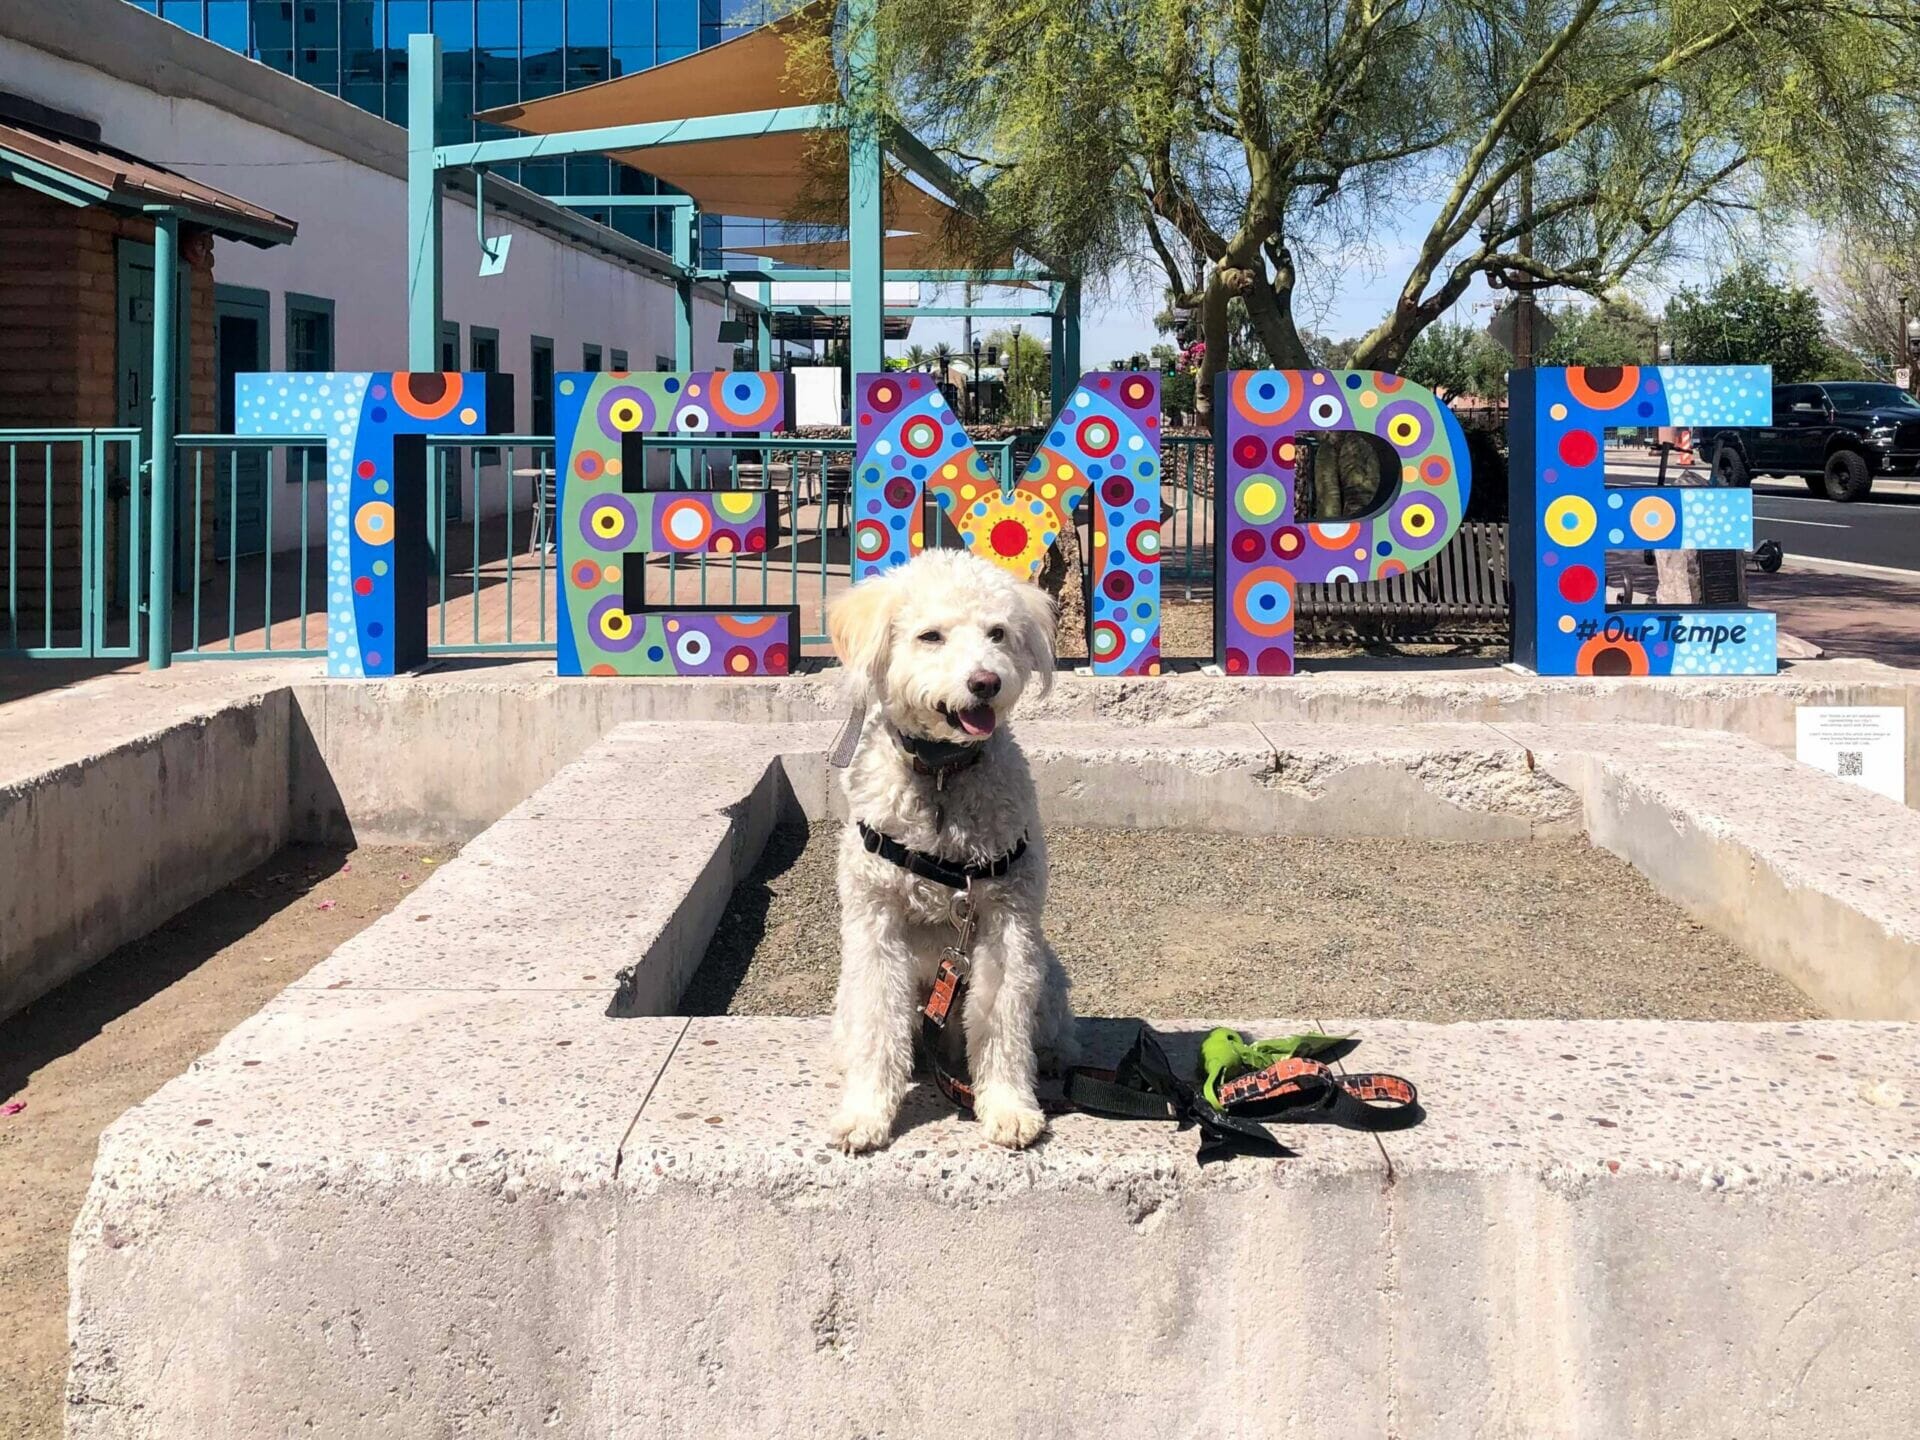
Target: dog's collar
{"x":942,"y":759}
{"x":933,"y":867}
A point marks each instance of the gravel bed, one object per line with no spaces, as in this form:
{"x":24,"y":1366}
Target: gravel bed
{"x":1169,"y":923}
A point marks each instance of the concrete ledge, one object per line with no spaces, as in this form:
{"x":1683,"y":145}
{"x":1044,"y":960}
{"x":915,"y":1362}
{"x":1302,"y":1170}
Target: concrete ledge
{"x":1816,"y":879}
{"x":100,"y":850}
{"x":464,"y":1212}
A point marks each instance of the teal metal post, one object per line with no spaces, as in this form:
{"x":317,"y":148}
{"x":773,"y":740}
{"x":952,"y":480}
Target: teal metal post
{"x":1070,"y":333}
{"x":683,"y":233}
{"x":866,"y":223}
{"x":166,"y":319}
{"x":763,"y":329}
{"x":424,"y":257}
{"x":1057,"y":354}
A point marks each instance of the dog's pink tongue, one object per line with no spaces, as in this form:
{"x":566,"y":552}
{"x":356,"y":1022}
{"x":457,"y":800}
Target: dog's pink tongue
{"x":977,"y":719}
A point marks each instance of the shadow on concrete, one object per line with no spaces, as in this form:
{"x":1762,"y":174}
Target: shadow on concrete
{"x":65,"y":1018}
{"x":741,"y":929}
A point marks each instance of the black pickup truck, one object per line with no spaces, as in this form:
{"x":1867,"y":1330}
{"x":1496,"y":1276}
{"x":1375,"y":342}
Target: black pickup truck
{"x":1837,"y":434}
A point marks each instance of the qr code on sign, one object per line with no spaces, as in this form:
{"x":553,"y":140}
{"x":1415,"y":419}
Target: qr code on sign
{"x":1852,"y":764}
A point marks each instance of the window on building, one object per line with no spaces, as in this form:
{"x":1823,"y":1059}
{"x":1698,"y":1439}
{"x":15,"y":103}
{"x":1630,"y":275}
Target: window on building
{"x":663,"y":362}
{"x":227,"y":24}
{"x":590,"y":359}
{"x":542,"y":373}
{"x":617,"y":360}
{"x":485,"y":349}
{"x":309,"y":347}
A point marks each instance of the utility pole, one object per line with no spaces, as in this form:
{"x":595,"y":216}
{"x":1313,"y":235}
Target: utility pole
{"x":1523,"y":301}
{"x":966,"y":322}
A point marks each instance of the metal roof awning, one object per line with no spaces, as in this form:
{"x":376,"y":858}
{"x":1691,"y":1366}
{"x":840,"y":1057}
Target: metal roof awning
{"x":79,"y":172}
{"x":783,"y":174}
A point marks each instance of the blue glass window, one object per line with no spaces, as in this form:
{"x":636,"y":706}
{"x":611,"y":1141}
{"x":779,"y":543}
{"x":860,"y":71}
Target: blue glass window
{"x":404,"y":18}
{"x":540,"y":27}
{"x":453,"y":23}
{"x":497,"y":25}
{"x":679,"y":27}
{"x":273,"y":25}
{"x":318,"y":67}
{"x":629,"y":58}
{"x":586,"y":65}
{"x":633,"y":23}
{"x":187,"y":14}
{"x":317,"y":25}
{"x":587,"y":22}
{"x":363,"y":23}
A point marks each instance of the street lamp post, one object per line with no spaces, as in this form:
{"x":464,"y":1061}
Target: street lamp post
{"x":1013,"y":389}
{"x":975,"y":379}
{"x":1910,"y":328}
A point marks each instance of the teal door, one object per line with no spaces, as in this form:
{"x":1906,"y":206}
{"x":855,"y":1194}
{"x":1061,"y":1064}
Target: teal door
{"x":239,"y":478}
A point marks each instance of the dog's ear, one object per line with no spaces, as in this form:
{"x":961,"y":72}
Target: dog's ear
{"x":860,"y":624}
{"x":1036,"y":625}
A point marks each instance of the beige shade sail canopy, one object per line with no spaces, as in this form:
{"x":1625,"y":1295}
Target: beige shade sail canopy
{"x":783,"y":176}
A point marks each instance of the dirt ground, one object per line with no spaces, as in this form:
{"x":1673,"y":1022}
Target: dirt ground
{"x":1228,"y":925}
{"x":75,"y":1059}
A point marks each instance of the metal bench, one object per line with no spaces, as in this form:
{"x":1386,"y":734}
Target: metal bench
{"x":1463,"y":592}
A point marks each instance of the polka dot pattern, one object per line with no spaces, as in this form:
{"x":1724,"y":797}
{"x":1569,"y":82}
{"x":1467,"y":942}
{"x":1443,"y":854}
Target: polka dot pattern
{"x":1265,"y":553}
{"x":359,"y":415}
{"x":1104,"y":443}
{"x":1567,"y":627}
{"x":608,"y":523}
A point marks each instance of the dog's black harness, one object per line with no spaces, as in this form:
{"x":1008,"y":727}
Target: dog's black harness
{"x":932,"y":867}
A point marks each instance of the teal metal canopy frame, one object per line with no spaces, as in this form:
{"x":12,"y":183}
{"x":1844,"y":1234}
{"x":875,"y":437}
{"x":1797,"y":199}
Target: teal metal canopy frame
{"x":869,"y":141}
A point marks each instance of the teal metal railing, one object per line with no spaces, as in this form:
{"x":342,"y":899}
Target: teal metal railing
{"x":492,"y":536}
{"x":1186,"y":484}
{"x":73,"y":543}
{"x":254,"y":566}
{"x":250,"y":561}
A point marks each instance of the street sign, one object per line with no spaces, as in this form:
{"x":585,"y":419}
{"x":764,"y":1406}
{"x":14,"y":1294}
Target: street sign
{"x":1903,"y":377}
{"x":1506,"y":318}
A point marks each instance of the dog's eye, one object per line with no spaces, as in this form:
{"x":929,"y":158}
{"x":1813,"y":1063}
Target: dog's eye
{"x":997,"y":634}
{"x":931,"y":637}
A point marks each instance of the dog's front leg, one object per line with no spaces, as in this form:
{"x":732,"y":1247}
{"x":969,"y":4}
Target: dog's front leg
{"x":873,"y":1024}
{"x":1003,"y":1011}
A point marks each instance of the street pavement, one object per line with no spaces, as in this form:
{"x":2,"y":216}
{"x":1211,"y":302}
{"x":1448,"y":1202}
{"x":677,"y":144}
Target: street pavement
{"x":1883,"y":530}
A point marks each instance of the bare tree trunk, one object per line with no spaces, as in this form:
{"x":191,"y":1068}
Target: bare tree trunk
{"x":1060,"y":578}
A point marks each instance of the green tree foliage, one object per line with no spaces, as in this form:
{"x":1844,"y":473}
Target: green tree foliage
{"x":1747,"y":317}
{"x":1455,"y":360}
{"x":1618,"y":331}
{"x":1244,"y":148}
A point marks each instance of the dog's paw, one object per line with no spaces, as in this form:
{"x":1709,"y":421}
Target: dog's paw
{"x":1012,"y":1123}
{"x":857,"y":1131}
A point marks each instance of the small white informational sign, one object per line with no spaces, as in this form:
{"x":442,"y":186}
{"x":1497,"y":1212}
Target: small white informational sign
{"x":1863,"y":744}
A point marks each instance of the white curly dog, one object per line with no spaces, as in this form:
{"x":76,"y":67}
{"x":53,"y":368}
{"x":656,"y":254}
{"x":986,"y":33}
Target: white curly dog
{"x":941,"y":650}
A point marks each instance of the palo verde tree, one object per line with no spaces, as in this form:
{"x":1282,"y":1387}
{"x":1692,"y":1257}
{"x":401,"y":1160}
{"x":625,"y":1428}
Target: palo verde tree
{"x":1250,"y":148}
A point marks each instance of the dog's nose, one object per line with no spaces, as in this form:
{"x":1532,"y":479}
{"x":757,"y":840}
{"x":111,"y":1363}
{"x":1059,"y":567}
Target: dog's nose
{"x":984,"y":684}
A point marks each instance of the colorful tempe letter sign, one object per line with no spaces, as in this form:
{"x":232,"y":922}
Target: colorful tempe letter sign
{"x":1262,"y":552}
{"x":1104,"y":443}
{"x":1103,"y":450}
{"x":375,"y":427}
{"x":608,"y":521}
{"x":1565,"y":518}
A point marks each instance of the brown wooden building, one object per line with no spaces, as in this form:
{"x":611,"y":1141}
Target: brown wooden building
{"x":76,"y":350}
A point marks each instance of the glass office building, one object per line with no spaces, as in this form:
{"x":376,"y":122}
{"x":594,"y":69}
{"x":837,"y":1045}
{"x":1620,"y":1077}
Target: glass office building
{"x":496,"y":52}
